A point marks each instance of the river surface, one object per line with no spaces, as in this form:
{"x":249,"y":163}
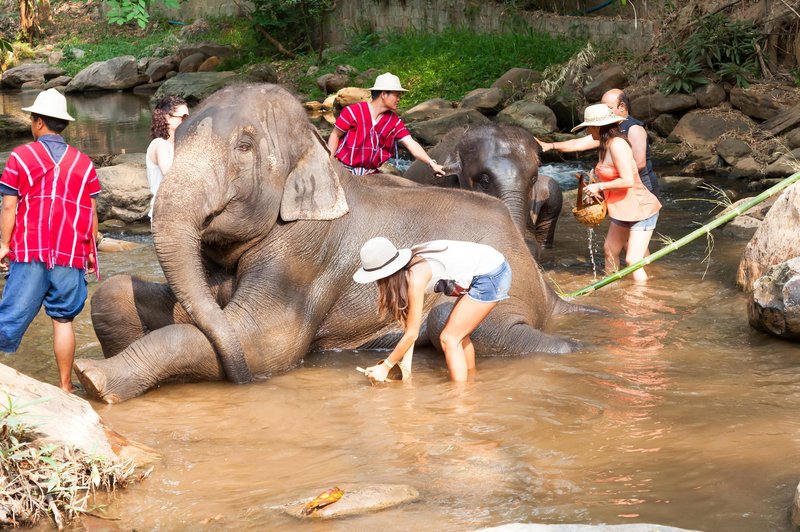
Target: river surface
{"x":674,"y":412}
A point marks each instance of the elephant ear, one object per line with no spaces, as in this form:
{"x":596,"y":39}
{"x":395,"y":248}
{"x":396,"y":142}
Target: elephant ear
{"x":312,"y":190}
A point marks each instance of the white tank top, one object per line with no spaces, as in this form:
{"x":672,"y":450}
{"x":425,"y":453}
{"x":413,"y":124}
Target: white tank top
{"x":461,"y":261}
{"x":154,"y":175}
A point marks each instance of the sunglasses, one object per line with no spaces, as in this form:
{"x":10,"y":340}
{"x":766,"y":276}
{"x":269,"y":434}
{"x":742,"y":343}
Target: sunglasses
{"x":182,"y":117}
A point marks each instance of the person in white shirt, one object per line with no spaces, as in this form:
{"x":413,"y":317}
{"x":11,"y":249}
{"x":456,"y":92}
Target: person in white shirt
{"x":169,"y":113}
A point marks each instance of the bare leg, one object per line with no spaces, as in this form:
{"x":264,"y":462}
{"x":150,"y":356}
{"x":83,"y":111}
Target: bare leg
{"x":638,"y":242}
{"x":64,"y":349}
{"x":469,"y":354}
{"x":465,"y":317}
{"x":615,"y":240}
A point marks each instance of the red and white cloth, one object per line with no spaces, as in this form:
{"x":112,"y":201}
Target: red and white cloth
{"x":54,"y":211}
{"x":367,"y":145}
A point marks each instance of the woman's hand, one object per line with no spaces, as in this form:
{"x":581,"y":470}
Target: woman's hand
{"x":377,"y":373}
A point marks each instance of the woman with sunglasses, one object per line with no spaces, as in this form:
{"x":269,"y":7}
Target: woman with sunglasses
{"x":169,"y":113}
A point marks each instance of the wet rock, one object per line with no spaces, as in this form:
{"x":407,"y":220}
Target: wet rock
{"x":60,"y":81}
{"x":664,"y":124}
{"x":775,"y":241}
{"x":427,"y":110}
{"x":629,"y":527}
{"x":357,"y":500}
{"x":702,"y":127}
{"x":680,"y":183}
{"x":604,"y":78}
{"x":774,"y":305}
{"x":537,"y":118}
{"x":147,"y":88}
{"x":746,"y":168}
{"x":764,"y":101}
{"x":731,"y":150}
{"x":119,"y":73}
{"x":126,"y":193}
{"x":517,"y":81}
{"x":113,"y":245}
{"x":647,"y":108}
{"x":351,"y":95}
{"x":13,"y":126}
{"x":742,"y":227}
{"x":261,"y":73}
{"x":157,"y":70}
{"x":485,"y":101}
{"x":32,"y":86}
{"x":762,"y":184}
{"x":13,"y":78}
{"x":429,"y":132}
{"x":192,"y":62}
{"x":194,"y":86}
{"x":785,"y":165}
{"x":210,"y":64}
{"x":710,"y":95}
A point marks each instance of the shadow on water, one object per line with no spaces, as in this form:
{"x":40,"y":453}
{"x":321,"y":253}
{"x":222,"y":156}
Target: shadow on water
{"x":674,"y":412}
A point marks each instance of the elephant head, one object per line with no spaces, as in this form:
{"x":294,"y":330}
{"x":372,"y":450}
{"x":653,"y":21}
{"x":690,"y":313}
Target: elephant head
{"x":238,"y":171}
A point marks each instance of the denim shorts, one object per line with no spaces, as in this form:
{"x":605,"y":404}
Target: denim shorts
{"x":648,"y":224}
{"x":62,"y":290}
{"x":493,"y":286}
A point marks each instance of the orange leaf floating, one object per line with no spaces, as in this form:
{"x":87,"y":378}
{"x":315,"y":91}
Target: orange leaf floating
{"x":322,"y":500}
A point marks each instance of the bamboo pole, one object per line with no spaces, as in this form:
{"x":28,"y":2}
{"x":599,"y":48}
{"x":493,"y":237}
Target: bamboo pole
{"x":707,"y":228}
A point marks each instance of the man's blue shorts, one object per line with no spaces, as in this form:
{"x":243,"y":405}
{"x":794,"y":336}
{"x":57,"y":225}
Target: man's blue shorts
{"x":29,"y":285}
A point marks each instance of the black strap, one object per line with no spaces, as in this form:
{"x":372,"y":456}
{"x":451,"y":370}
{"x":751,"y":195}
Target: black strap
{"x":397,"y":254}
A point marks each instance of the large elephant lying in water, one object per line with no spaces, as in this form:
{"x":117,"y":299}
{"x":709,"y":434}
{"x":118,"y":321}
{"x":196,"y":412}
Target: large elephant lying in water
{"x":258,"y":232}
{"x":503,"y":161}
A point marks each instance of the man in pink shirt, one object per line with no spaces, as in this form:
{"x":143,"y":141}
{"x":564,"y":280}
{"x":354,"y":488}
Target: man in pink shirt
{"x":364,"y":135}
{"x":48,"y":229}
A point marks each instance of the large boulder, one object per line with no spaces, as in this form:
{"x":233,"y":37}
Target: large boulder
{"x":567,"y":106}
{"x":158,"y":69}
{"x":604,"y":78}
{"x":126,"y":193}
{"x":350,"y":95}
{"x":703,"y":127}
{"x":775,"y":241}
{"x":331,"y":83}
{"x":764,"y":101}
{"x":13,"y":126}
{"x":785,"y":165}
{"x":13,"y":78}
{"x":537,"y":118}
{"x":647,"y":107}
{"x":194,"y":86}
{"x":119,"y":73}
{"x":427,"y":110}
{"x":487,"y":101}
{"x":774,"y":304}
{"x":516,"y":81}
{"x":733,"y":149}
{"x":60,"y":81}
{"x":429,"y":132}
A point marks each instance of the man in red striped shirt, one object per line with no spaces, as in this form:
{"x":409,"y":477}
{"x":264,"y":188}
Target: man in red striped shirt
{"x":364,"y":135}
{"x":48,"y":229}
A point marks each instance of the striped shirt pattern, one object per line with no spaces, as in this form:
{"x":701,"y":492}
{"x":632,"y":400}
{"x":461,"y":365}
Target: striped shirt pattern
{"x":54,"y":210}
{"x":367,"y":146}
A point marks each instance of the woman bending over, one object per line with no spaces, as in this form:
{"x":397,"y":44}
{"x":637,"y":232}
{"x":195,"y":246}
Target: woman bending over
{"x":632,"y":208}
{"x":476,"y":274}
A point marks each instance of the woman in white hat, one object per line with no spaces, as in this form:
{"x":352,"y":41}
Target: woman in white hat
{"x":632,"y":208}
{"x":364,"y":134}
{"x":477,"y":275}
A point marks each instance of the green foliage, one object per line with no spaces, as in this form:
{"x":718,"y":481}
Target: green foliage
{"x":448,"y":64}
{"x":5,"y":46}
{"x":796,"y":75}
{"x":719,"y":46}
{"x":124,"y":11}
{"x":294,"y":23}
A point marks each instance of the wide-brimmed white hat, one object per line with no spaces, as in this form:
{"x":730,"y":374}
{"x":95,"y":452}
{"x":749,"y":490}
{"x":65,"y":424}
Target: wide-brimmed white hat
{"x":50,"y":103}
{"x":379,"y":259}
{"x":387,"y":82}
{"x":598,"y":114}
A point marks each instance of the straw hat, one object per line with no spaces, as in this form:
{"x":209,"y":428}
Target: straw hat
{"x":379,"y":259}
{"x":388,"y":82}
{"x":50,"y":103}
{"x":598,"y":114}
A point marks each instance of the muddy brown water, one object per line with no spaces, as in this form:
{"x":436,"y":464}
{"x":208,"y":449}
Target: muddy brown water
{"x":674,"y":412}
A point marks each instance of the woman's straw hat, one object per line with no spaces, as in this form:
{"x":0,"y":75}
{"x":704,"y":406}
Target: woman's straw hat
{"x":387,"y":82}
{"x":379,"y":259}
{"x":598,"y":114}
{"x":50,"y":103}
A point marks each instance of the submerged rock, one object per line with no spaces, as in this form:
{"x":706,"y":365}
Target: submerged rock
{"x":357,"y":500}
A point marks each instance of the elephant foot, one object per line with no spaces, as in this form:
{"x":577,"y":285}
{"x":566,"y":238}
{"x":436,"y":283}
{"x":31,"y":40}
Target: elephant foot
{"x":94,"y":381}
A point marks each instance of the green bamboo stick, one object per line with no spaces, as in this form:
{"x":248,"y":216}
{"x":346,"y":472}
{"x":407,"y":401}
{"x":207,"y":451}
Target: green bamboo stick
{"x":713,"y":224}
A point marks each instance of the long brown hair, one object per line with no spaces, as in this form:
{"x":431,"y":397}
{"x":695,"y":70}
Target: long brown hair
{"x":166,"y":106}
{"x":393,"y":290}
{"x":608,"y":132}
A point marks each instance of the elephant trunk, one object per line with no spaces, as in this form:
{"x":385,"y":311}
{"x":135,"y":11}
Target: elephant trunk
{"x":518,"y":208}
{"x":178,"y":220}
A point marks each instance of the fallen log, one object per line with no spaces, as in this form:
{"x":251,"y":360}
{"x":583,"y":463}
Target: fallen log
{"x":782,"y":121}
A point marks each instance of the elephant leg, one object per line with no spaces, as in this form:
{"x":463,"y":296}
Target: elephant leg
{"x":173,"y":353}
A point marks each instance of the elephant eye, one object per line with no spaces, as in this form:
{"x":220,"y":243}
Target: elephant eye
{"x":484,"y":182}
{"x":244,"y":145}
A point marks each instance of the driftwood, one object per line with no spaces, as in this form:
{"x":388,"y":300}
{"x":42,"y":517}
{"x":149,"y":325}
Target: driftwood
{"x":55,"y":416}
{"x":782,"y":121}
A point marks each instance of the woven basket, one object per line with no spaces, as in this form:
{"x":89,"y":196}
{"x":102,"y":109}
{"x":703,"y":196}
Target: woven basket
{"x":589,"y":212}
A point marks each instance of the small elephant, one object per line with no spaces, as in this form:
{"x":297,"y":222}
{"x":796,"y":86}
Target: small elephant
{"x":258,"y":233}
{"x":502,"y":161}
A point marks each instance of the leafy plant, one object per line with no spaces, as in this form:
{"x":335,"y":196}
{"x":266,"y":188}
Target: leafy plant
{"x":124,"y":11}
{"x":682,"y":77}
{"x":294,"y":24}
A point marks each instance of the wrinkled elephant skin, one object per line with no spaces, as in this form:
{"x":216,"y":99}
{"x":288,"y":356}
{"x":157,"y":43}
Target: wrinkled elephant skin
{"x":258,"y":232}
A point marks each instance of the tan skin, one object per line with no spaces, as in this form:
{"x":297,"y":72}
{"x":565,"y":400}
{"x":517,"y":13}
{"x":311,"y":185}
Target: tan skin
{"x":465,"y":317}
{"x":63,"y":333}
{"x":159,"y":152}
{"x":388,"y":101}
{"x":620,"y":155}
